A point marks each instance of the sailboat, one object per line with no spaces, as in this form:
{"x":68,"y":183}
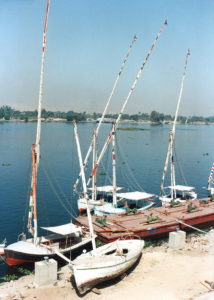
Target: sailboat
{"x":175,"y":194}
{"x":112,"y":208}
{"x":210,"y":185}
{"x":99,"y":193}
{"x":67,"y":238}
{"x":120,"y":202}
{"x":106,"y":262}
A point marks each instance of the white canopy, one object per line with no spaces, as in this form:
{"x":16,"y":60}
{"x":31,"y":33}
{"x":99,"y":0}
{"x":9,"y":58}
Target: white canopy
{"x":65,"y":229}
{"x":182,"y":188}
{"x":106,"y":188}
{"x":135,"y":195}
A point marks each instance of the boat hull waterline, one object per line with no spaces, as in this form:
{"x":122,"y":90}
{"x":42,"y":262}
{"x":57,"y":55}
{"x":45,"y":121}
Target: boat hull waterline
{"x":26,"y":252}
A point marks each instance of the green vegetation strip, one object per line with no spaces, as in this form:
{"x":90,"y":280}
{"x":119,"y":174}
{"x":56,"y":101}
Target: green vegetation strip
{"x":131,"y":129}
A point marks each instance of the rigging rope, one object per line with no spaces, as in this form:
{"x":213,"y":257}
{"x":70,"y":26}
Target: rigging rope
{"x":29,"y":172}
{"x":55,"y":192}
{"x":120,"y":152}
{"x":179,"y":166}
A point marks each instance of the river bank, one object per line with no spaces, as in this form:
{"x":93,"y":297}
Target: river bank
{"x":122,"y":121}
{"x":161,"y":273}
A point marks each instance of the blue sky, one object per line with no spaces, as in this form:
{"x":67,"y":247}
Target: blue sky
{"x":87,"y":41}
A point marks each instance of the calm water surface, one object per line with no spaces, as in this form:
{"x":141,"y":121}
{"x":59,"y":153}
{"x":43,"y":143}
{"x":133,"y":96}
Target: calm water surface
{"x":140,"y":159}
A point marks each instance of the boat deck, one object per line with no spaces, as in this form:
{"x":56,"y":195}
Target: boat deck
{"x":124,"y":226}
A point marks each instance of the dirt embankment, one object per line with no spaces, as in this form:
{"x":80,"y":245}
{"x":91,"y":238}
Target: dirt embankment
{"x":161,"y":274}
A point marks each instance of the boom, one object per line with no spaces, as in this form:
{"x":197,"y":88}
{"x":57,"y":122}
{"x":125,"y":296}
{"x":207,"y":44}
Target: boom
{"x":104,"y":112}
{"x":172,"y":133}
{"x":36,"y":151}
{"x":84,"y":185}
{"x":124,"y":105}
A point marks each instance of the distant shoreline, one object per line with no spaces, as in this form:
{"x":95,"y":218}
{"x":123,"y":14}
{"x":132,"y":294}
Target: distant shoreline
{"x":121,"y":122}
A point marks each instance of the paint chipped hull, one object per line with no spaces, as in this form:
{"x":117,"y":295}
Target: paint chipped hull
{"x":108,"y":262}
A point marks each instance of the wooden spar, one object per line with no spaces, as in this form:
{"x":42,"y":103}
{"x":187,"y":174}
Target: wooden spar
{"x":38,"y":133}
{"x":107,"y":105}
{"x":34,"y":192}
{"x":124,"y":105}
{"x":172,"y":133}
{"x":114,"y":171}
{"x":84,"y":185}
{"x":94,"y":183}
{"x":210,"y":177}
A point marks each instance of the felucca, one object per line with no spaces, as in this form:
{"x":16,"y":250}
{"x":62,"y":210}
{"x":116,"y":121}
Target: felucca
{"x":66,"y":238}
{"x":175,"y":194}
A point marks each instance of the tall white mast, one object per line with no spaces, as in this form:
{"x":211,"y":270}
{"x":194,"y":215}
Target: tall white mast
{"x":114,"y":170}
{"x":107,"y":105}
{"x":84,"y":185}
{"x":94,"y":184}
{"x":32,"y":204}
{"x":172,"y":133}
{"x":124,"y":105}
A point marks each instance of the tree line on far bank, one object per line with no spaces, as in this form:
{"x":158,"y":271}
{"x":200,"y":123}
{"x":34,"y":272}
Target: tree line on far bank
{"x":8,"y":113}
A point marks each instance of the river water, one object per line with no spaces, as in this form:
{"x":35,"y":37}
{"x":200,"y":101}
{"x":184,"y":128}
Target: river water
{"x":140,"y":157}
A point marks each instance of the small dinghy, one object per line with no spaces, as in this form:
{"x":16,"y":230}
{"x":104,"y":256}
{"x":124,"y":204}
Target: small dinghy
{"x":104,"y":263}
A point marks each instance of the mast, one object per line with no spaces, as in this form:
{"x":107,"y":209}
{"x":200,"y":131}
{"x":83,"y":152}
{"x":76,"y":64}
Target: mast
{"x":36,"y":147}
{"x":172,"y":133}
{"x":84,"y":185}
{"x":114,"y":171}
{"x":124,"y":105}
{"x":34,"y":191}
{"x":210,"y":177}
{"x":94,"y":192}
{"x":107,"y":105}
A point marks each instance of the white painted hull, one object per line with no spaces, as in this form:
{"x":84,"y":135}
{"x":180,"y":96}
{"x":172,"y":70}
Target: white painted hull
{"x":109,"y":261}
{"x":2,"y":246}
{"x":211,"y":190}
{"x":166,"y":199}
{"x":108,"y":209}
{"x":27,"y":252}
{"x":82,"y":205}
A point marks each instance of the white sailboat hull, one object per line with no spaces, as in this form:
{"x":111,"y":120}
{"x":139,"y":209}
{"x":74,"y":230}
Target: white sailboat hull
{"x":2,"y":246}
{"x":166,"y":199}
{"x":82,"y":204}
{"x":107,"y":262}
{"x":108,"y":209}
{"x":27,"y":252}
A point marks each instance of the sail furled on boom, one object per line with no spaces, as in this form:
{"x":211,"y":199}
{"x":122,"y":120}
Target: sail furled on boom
{"x":125,"y":103}
{"x":172,"y":132}
{"x":106,"y":107}
{"x":36,"y":147}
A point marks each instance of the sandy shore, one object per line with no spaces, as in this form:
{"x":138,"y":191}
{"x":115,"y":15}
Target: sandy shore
{"x":161,"y":274}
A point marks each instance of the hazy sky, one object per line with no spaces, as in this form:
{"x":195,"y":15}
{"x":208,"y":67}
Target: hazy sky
{"x":87,"y":41}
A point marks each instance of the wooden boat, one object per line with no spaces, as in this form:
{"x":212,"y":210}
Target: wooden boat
{"x":67,"y":238}
{"x":210,"y":185}
{"x":138,"y":201}
{"x":175,"y":193}
{"x":106,"y":262}
{"x":103,"y":195}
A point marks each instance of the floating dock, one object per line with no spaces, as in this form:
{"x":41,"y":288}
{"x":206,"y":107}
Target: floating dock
{"x":169,"y":218}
